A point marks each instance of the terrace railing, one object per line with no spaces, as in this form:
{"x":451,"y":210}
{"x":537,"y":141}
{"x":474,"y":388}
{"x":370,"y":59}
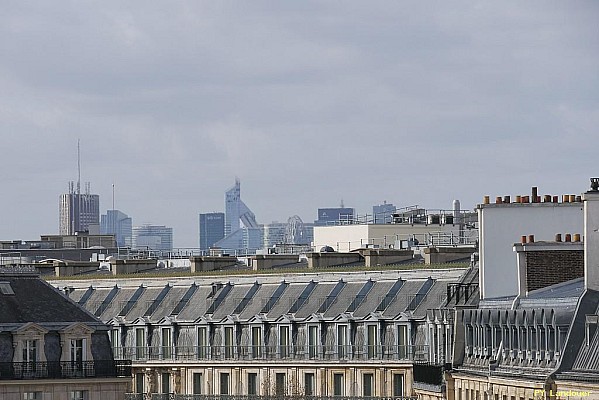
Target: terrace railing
{"x":289,"y":353}
{"x":65,"y":369}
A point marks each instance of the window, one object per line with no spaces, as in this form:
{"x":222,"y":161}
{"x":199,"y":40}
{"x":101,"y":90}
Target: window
{"x":32,"y":396}
{"x":342,"y":342}
{"x":397,"y":385}
{"x":542,"y":339}
{"x":309,"y":384}
{"x":338,"y":385}
{"x":284,"y":349}
{"x":515,"y":343}
{"x":224,"y":383}
{"x":313,"y":341}
{"x":470,"y":338}
{"x":229,"y":350}
{"x":79,"y":395}
{"x":140,"y":343}
{"x":533,"y":338}
{"x":402,"y":341}
{"x":77,"y":356}
{"x":197,"y":383}
{"x":367,"y":383}
{"x":114,"y":338}
{"x":372,"y":341}
{"x":165,"y":382}
{"x":202,"y":342}
{"x":256,"y":342}
{"x":166,"y":343}
{"x":29,"y":355}
{"x":139,"y":383}
{"x":252,"y":383}
{"x":280,"y":384}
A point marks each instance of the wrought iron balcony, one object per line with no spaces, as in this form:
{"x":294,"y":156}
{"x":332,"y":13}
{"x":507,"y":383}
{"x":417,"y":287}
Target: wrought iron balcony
{"x":289,"y":353}
{"x":65,"y":369}
{"x":177,"y":396}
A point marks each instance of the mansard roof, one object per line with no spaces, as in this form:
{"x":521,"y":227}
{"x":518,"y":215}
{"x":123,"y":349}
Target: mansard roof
{"x":386,"y":294}
{"x":34,"y":300}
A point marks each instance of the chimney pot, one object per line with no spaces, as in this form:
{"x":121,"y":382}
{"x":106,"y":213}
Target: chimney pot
{"x":568,"y":238}
{"x":577,"y":237}
{"x":525,"y":199}
{"x":531,"y":238}
{"x":534,"y":193}
{"x":523,"y":239}
{"x":556,"y":199}
{"x":572,"y":198}
{"x":579,"y":199}
{"x":518,"y":199}
{"x":547,"y":198}
{"x":498,"y":200}
{"x":565,"y":198}
{"x":558,"y":237}
{"x":486,"y":200}
{"x":507,"y":199}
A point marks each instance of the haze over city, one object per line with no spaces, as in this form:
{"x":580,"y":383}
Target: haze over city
{"x":307,"y":103}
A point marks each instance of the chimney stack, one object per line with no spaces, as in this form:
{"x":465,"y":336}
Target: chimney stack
{"x":591,"y":236}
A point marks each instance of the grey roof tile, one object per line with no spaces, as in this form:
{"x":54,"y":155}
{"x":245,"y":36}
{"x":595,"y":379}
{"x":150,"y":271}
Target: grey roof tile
{"x":287,"y":299}
{"x":36,"y":301}
{"x":344,"y":299}
{"x":404,"y":297}
{"x":374,"y":298}
{"x":255,"y":305}
{"x":317,"y":297}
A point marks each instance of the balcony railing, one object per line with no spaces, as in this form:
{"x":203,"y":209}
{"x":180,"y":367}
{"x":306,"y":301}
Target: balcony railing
{"x":279,"y":353}
{"x":176,"y":396}
{"x":65,"y":369}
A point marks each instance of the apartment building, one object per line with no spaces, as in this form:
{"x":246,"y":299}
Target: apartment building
{"x":321,"y":334}
{"x":52,"y":349}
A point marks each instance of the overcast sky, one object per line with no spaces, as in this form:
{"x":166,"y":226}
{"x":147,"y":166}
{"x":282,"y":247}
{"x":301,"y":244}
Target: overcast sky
{"x":306,"y":102}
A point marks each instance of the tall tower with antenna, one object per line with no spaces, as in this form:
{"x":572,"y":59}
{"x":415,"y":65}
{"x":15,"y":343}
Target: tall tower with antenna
{"x":79,"y":212}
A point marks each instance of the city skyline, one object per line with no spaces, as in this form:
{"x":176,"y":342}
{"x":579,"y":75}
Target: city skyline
{"x":307,"y":103}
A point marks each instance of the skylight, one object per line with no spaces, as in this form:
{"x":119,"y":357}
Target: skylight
{"x":5,"y":288}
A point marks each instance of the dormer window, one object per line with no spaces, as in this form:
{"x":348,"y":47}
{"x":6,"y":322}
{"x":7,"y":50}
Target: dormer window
{"x":284,"y":347}
{"x":256,"y":342}
{"x":343,"y":349}
{"x":166,"y":343}
{"x":372,"y":341}
{"x":30,"y":348}
{"x":229,"y":342}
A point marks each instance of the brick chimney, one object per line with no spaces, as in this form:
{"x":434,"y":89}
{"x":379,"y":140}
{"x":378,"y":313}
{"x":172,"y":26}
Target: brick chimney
{"x":591,"y":236}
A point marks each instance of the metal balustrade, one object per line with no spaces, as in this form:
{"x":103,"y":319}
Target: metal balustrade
{"x":65,"y":369}
{"x":278,"y":353}
{"x":177,"y":396}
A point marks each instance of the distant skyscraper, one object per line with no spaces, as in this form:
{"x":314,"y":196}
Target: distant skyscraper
{"x":334,"y":216}
{"x":78,"y":212}
{"x":153,"y":237}
{"x":119,"y":224}
{"x":236,"y":211}
{"x":240,"y":239}
{"x":212,"y":229}
{"x":383,"y":213}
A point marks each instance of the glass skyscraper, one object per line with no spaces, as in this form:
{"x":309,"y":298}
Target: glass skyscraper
{"x":212,"y":229}
{"x":119,"y":224}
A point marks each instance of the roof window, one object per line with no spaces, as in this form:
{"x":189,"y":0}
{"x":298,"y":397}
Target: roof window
{"x":5,"y":288}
